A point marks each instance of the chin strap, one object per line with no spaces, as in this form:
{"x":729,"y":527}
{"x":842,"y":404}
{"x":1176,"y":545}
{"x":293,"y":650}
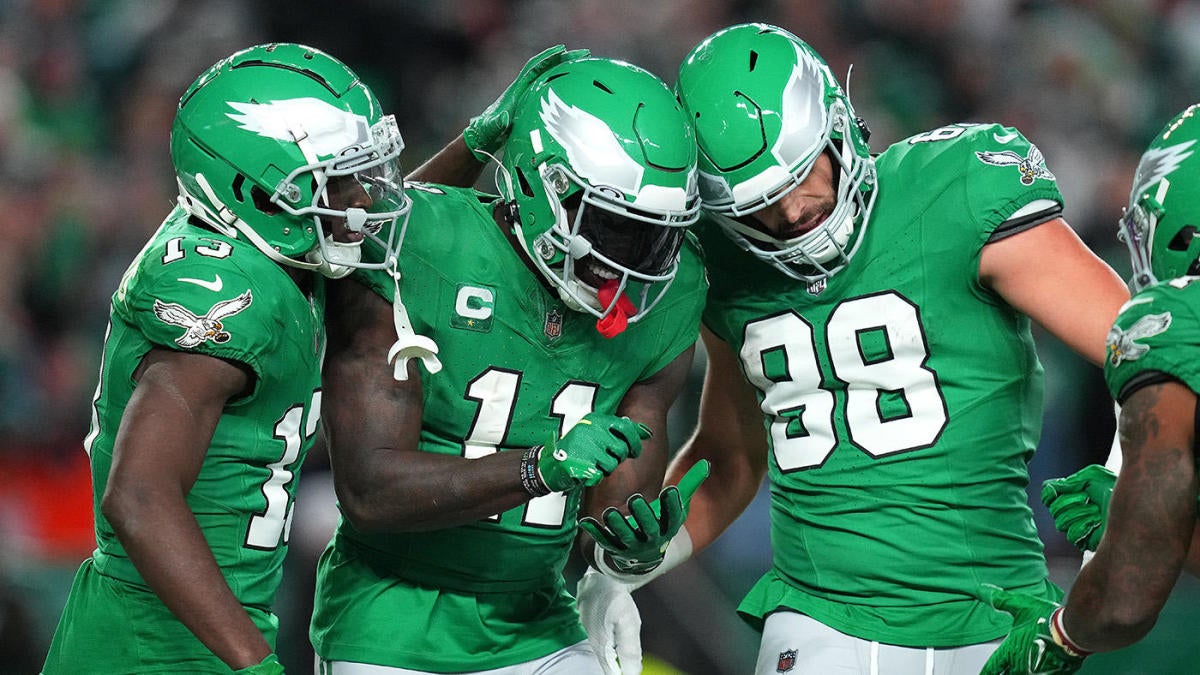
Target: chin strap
{"x":408,"y":344}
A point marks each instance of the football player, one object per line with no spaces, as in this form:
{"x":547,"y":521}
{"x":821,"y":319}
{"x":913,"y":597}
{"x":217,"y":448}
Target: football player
{"x":556,"y":324}
{"x":1143,"y":529}
{"x":209,"y":393}
{"x":868,"y":332}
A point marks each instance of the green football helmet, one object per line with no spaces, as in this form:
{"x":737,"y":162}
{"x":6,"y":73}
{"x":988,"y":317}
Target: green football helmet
{"x":1160,"y":223}
{"x":259,"y":137}
{"x":601,"y":171}
{"x":765,"y":106}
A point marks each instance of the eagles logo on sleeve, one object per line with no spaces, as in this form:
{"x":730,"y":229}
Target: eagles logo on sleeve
{"x":201,"y":328}
{"x":1032,"y":166}
{"x":1122,"y":345}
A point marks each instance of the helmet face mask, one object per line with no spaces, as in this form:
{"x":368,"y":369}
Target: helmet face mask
{"x":1160,"y":223}
{"x":766,"y":107}
{"x":374,"y":168}
{"x":603,"y":163}
{"x":292,"y":123}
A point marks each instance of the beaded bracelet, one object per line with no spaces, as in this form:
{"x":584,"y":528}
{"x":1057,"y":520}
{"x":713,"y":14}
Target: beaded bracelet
{"x":530,"y":479}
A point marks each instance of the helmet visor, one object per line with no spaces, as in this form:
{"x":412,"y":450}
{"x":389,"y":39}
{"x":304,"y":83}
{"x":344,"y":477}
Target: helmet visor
{"x":376,"y":167}
{"x":374,"y":163}
{"x":644,"y":248}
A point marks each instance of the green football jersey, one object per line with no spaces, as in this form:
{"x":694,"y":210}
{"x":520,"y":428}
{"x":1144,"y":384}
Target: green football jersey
{"x":902,"y":400}
{"x":1156,"y":333}
{"x":519,"y":368}
{"x":191,"y":289}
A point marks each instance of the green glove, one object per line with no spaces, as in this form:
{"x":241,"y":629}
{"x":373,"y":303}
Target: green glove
{"x":591,"y":450}
{"x":635,"y":544}
{"x":488,"y":131}
{"x":1079,"y":504}
{"x":1034,"y":646}
{"x":268,"y":666}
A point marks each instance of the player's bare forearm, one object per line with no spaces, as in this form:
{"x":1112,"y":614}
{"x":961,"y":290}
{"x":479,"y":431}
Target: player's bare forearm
{"x":643,"y":475}
{"x":1118,"y":595}
{"x":402,"y":491}
{"x":1028,"y":268}
{"x":730,"y":436}
{"x":718,"y":502}
{"x":162,"y":442}
{"x":373,"y":422}
{"x":647,"y":402}
{"x":452,"y":165}
{"x":166,"y":545}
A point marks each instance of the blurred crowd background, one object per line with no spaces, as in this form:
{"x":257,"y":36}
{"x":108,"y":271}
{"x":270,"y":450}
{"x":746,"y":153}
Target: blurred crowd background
{"x":87,"y":94}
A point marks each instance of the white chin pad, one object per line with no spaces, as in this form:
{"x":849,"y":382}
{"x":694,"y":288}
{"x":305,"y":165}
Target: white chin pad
{"x":336,"y":259}
{"x":578,"y":296}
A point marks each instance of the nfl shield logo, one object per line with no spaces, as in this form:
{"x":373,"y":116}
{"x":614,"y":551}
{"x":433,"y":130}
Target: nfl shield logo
{"x":553,"y":325}
{"x":787,"y":661}
{"x":817,"y":287}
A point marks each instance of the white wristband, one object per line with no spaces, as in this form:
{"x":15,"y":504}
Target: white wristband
{"x":678,"y":550}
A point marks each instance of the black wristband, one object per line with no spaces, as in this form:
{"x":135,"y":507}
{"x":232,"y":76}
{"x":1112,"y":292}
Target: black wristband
{"x":530,"y":480}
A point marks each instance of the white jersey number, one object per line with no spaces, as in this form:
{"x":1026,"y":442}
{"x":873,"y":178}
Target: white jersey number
{"x":273,"y":526}
{"x":877,"y":348}
{"x":495,"y":390}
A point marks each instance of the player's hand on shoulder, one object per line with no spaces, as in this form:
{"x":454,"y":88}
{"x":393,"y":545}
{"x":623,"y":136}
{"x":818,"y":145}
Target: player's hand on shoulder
{"x":486,"y":132}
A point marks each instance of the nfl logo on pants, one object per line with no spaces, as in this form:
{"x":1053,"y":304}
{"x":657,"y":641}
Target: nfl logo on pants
{"x":787,"y":661}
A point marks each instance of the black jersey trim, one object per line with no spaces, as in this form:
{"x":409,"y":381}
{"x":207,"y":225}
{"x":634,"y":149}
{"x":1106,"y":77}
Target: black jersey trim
{"x":1017,"y":225}
{"x":1142,"y":380}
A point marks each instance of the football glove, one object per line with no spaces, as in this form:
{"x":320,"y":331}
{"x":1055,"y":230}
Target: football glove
{"x":588,"y":452}
{"x":1036,"y":644}
{"x":1079,"y":504}
{"x":635,"y":544}
{"x":613,"y":624}
{"x":487,"y":131}
{"x":270,"y":665}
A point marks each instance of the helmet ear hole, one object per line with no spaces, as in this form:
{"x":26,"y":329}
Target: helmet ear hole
{"x":239,"y":182}
{"x":262,"y":201}
{"x":523,"y":183}
{"x":1183,"y":238}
